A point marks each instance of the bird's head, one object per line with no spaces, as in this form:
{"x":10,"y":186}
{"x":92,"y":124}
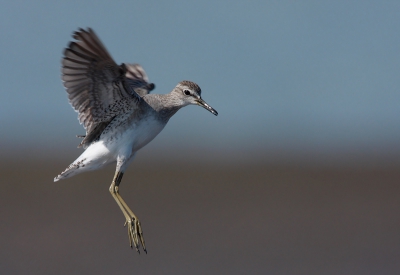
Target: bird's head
{"x":189,"y":93}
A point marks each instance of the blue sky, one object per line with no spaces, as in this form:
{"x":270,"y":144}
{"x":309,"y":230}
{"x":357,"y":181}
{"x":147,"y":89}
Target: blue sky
{"x":298,"y":75}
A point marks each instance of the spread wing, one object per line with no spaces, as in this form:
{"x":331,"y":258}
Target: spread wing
{"x":99,"y":89}
{"x":137,"y":79}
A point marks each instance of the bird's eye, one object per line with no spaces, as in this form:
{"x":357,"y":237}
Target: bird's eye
{"x":186,"y":92}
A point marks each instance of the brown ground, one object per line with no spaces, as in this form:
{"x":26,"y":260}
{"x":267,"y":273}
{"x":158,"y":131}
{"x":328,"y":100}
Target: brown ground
{"x":253,"y":218}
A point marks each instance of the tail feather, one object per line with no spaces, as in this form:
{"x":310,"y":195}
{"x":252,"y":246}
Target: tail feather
{"x":73,"y":169}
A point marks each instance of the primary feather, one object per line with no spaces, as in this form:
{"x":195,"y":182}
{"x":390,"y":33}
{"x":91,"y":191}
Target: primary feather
{"x":99,"y":89}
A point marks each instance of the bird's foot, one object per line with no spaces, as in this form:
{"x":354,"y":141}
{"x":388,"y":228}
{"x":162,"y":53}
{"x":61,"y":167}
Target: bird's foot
{"x":135,"y":234}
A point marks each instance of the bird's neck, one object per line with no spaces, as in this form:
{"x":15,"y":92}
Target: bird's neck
{"x":166,"y":105}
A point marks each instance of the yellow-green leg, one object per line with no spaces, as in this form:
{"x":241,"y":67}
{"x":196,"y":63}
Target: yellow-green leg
{"x":135,"y":232}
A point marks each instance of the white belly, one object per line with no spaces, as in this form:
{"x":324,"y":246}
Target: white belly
{"x":123,"y":145}
{"x":143,"y":132}
{"x":118,"y":145}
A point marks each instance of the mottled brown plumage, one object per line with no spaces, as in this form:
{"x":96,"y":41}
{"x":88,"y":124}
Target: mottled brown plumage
{"x":98,"y":89}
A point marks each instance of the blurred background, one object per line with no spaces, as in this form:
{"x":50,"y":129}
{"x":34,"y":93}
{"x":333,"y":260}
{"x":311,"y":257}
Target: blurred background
{"x":299,"y":173}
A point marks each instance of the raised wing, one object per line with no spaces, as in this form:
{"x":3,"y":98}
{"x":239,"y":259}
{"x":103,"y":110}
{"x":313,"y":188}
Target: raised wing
{"x":137,"y":79}
{"x":98,"y":89}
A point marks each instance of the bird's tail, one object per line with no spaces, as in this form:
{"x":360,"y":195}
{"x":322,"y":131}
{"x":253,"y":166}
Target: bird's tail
{"x":73,"y":169}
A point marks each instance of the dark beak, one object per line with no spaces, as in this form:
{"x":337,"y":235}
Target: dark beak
{"x":203,"y":104}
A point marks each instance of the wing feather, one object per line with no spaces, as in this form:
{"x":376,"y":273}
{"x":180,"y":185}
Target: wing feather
{"x":99,"y":89}
{"x":137,"y":79}
{"x":73,"y":71}
{"x":94,"y":82}
{"x":73,"y":63}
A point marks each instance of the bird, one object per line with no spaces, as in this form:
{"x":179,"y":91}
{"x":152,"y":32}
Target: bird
{"x":118,"y":112}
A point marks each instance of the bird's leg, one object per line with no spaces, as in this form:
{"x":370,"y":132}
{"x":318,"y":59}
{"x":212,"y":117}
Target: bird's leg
{"x":135,"y":232}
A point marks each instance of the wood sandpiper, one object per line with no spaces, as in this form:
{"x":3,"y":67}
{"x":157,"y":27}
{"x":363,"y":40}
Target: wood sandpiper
{"x":118,"y":112}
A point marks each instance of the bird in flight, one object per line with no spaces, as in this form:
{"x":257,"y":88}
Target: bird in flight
{"x":118,"y":112}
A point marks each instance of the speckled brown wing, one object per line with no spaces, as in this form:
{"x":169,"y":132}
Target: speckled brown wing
{"x":98,"y":89}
